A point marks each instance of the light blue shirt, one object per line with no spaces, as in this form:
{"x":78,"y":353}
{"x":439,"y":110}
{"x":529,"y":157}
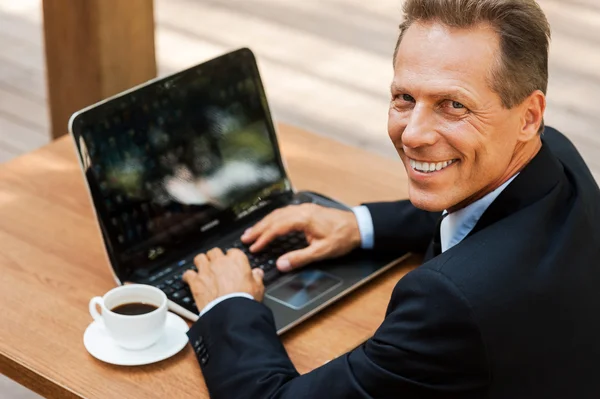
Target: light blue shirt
{"x":457,"y":225}
{"x":454,"y":228}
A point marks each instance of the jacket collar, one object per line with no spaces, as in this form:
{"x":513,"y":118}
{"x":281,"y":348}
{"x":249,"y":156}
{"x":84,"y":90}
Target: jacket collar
{"x":536,"y":179}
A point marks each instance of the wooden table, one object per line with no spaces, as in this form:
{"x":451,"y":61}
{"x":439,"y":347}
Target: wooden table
{"x":52,"y":262}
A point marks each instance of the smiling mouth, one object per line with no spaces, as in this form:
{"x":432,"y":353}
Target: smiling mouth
{"x":430,"y":167}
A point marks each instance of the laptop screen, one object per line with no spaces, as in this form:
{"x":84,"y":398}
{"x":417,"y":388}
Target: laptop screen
{"x":171,"y":163}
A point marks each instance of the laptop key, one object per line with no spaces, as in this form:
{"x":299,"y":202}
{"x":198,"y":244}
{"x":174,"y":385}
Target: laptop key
{"x":169,"y":281}
{"x":271,"y":263}
{"x":271,"y":275}
{"x":187,"y":300}
{"x":178,"y":285}
{"x":277,"y":251}
{"x":168,"y":290}
{"x":262,"y":258}
{"x":180,"y":294}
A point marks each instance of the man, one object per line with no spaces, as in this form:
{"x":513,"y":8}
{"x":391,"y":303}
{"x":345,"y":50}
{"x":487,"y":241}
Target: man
{"x":507,"y":303}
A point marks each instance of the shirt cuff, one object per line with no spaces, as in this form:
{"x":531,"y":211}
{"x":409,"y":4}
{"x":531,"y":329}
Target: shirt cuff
{"x":220,"y":299}
{"x":365,"y":226}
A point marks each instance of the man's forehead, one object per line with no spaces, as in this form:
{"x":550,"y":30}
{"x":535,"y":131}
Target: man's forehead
{"x":435,"y":49}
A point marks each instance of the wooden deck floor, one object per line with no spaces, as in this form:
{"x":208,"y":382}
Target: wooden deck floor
{"x":326,"y":66}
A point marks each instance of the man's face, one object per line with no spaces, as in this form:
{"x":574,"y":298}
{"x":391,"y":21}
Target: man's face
{"x":453,"y":134}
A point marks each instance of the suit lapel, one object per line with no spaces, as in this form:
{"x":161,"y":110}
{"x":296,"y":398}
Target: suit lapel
{"x":535,"y":181}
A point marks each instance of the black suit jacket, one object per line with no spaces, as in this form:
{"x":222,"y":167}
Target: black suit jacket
{"x":512,"y":311}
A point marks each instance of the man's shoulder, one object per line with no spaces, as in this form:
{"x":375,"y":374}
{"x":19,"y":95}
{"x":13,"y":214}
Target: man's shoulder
{"x":569,"y":156}
{"x":560,"y":217}
{"x":537,"y":252}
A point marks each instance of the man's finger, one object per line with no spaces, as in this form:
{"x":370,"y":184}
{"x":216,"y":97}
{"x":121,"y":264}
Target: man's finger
{"x":214,"y":253}
{"x":273,"y":218}
{"x":201,"y":261}
{"x":251,"y":233}
{"x":258,"y":275}
{"x":255,"y":231}
{"x":188,"y":276}
{"x":282,"y":227}
{"x":266,"y":237}
{"x":237,"y":254}
{"x":300,"y":257}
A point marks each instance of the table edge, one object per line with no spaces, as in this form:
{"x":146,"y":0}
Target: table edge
{"x":27,"y":377}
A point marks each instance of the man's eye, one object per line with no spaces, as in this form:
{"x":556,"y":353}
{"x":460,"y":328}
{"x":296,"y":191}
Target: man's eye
{"x":408,"y":98}
{"x":454,"y":108}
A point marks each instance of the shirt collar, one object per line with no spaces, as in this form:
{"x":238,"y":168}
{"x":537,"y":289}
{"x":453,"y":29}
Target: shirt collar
{"x":457,"y":225}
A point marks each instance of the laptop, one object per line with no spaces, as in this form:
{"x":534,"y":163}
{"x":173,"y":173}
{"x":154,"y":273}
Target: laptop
{"x":185,"y":163}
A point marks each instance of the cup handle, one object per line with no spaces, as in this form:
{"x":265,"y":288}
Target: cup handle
{"x":93,"y":311}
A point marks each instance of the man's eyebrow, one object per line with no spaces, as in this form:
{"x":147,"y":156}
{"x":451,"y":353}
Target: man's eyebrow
{"x":395,"y":87}
{"x":455,"y":94}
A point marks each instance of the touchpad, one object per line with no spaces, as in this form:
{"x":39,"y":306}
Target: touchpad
{"x":303,"y":288}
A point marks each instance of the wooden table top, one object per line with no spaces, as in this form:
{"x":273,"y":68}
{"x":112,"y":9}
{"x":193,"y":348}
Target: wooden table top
{"x":52,"y":262}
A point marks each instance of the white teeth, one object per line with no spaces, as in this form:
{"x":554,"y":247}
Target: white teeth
{"x":429,"y":166}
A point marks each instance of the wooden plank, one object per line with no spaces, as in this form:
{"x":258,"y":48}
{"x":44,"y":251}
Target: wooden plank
{"x":94,"y":49}
{"x":32,"y":114}
{"x":17,"y":138}
{"x":29,"y":82}
{"x":7,"y":152}
{"x":21,"y":53}
{"x":21,"y":29}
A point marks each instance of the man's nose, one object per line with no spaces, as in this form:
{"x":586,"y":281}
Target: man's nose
{"x":419,"y":131}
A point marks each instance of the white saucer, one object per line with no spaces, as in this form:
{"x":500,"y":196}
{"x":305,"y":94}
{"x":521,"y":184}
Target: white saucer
{"x":100,"y":345}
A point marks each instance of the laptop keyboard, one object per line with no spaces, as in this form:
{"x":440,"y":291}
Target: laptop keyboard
{"x":179,"y":292}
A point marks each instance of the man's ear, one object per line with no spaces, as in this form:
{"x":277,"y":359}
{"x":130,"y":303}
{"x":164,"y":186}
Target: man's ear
{"x":533,"y":115}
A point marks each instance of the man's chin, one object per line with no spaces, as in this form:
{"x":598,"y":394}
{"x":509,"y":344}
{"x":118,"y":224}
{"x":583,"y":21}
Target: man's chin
{"x":430,"y":202}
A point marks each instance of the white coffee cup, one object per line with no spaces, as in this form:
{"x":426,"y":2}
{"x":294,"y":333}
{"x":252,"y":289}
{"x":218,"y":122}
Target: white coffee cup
{"x":132,"y":331}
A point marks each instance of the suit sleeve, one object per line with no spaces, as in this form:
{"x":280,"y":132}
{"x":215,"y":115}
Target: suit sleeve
{"x":428,"y":346}
{"x":402,"y":226}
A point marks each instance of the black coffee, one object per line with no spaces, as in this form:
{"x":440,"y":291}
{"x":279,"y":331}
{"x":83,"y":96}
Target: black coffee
{"x":135,"y":308}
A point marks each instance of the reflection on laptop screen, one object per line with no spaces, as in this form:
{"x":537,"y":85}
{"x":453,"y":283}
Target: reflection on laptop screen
{"x":170,"y":162}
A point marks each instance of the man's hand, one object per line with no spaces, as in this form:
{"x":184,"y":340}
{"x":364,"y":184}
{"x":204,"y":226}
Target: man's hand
{"x":329,"y":232}
{"x":219,"y":274}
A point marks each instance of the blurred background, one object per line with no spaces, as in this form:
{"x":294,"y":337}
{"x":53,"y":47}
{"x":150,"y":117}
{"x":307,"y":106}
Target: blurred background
{"x":326,"y":65}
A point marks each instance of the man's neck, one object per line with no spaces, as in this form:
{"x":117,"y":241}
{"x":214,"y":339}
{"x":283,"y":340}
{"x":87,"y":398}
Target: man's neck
{"x":524,"y":153}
